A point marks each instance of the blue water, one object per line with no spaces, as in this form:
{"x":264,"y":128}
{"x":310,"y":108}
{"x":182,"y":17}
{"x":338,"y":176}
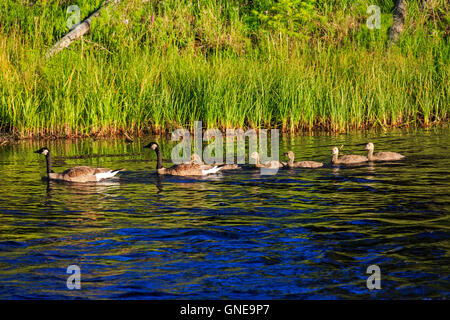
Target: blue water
{"x":301,"y":234}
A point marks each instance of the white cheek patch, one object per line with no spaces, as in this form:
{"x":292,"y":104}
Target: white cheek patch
{"x":45,"y":152}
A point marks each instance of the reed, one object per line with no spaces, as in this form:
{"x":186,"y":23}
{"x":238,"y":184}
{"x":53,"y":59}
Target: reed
{"x":155,"y":66}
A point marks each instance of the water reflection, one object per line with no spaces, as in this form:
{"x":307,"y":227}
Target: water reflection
{"x":303,"y":233}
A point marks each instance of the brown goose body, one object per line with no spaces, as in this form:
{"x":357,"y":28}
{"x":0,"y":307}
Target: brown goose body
{"x":79,"y":173}
{"x":382,"y":156}
{"x":183,"y":169}
{"x":195,"y":158}
{"x":186,"y":169}
{"x":301,"y":164}
{"x":347,"y":159}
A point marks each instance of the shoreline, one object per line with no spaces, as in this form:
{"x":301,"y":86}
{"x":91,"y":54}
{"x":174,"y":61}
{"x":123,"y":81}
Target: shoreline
{"x":7,"y":138}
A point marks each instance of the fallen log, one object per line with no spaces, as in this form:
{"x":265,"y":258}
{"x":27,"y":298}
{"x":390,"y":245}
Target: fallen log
{"x":78,"y":31}
{"x":399,"y":21}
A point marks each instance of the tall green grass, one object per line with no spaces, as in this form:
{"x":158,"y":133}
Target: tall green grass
{"x":154,"y":66}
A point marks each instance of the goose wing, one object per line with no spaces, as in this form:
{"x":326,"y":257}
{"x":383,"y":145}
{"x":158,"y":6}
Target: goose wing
{"x":87,"y":174}
{"x":353,"y":159}
{"x":308,"y":164}
{"x":81,"y":171}
{"x":184,"y":169}
{"x":191,"y":169}
{"x":387,"y":155}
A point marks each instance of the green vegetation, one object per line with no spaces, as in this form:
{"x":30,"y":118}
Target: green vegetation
{"x":151,"y":66}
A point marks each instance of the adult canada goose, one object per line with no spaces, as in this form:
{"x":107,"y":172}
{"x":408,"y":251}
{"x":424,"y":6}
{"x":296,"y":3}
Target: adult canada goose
{"x":195,"y":158}
{"x":183,"y":169}
{"x":347,"y":159}
{"x":273,"y":164}
{"x":382,"y":156}
{"x":301,"y":164}
{"x":77,"y":174}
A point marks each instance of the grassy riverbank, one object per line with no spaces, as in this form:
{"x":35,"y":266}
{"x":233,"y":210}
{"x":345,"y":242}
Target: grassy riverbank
{"x":151,"y":66}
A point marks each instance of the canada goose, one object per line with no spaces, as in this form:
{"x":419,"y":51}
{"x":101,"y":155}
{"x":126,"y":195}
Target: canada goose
{"x":301,"y":164}
{"x":273,"y":164}
{"x":183,"y":169}
{"x":77,"y":174}
{"x":347,"y":159}
{"x":382,"y":156}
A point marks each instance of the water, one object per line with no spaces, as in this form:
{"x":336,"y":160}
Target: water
{"x":302,"y":234}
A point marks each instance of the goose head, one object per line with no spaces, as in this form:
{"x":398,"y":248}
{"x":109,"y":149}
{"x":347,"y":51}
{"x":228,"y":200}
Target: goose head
{"x":369,"y":146}
{"x":152,"y":145}
{"x":254,"y":155}
{"x":335,"y":151}
{"x":289,"y":154}
{"x":43,"y":151}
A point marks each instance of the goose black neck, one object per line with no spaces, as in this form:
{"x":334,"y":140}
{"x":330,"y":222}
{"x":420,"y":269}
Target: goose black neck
{"x":159,"y":158}
{"x":48,"y":157}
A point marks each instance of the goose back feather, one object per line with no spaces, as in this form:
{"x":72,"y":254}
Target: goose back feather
{"x":301,"y":164}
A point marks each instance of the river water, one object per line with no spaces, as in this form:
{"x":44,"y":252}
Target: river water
{"x":300,"y":234}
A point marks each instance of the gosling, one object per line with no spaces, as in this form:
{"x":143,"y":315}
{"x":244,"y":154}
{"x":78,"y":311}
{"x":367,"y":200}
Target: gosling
{"x":301,"y":164}
{"x":273,"y":164}
{"x":347,"y":159}
{"x":382,"y":156}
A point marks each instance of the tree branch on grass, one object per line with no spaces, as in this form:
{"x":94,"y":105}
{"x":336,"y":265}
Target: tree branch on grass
{"x":78,"y":31}
{"x":399,"y":21}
